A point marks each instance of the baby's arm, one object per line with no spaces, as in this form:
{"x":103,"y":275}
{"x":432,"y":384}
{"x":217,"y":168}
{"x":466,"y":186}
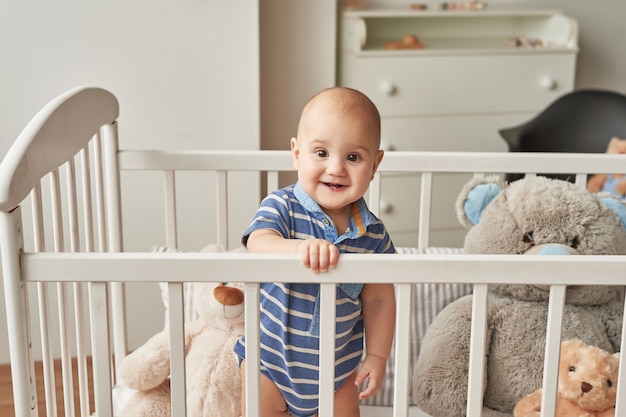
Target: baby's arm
{"x":596,"y":182}
{"x":379,"y":316}
{"x":317,"y":254}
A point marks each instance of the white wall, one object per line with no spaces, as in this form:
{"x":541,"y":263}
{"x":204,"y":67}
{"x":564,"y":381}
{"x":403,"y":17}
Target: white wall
{"x":185,"y":73}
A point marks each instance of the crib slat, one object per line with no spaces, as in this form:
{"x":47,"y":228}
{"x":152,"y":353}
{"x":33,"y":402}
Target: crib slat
{"x":79,"y":324}
{"x":59,"y":246}
{"x":101,"y":351}
{"x":424,"y":210}
{"x":171,"y":229}
{"x":114,"y":234}
{"x":553,"y":349}
{"x":66,"y":357}
{"x":477,"y":350}
{"x":252,"y":363}
{"x":272,"y":180}
{"x":327,"y":349}
{"x":581,"y":179}
{"x":44,"y":309}
{"x":112,"y":187}
{"x":222,"y":208}
{"x":86,"y":201}
{"x":46,"y":351}
{"x":177,"y":348}
{"x":72,"y":206}
{"x":99,"y":192}
{"x":403,"y":347}
{"x":81,"y":349}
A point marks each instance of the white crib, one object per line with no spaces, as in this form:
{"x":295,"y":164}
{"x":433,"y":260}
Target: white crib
{"x":73,"y":246}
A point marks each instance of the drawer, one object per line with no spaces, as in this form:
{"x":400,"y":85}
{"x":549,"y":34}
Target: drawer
{"x":457,"y":133}
{"x":407,"y":85}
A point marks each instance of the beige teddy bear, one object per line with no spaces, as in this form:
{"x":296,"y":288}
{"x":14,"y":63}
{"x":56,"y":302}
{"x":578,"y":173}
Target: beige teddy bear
{"x":587,"y":384}
{"x":213,"y":381}
{"x":613,"y":183}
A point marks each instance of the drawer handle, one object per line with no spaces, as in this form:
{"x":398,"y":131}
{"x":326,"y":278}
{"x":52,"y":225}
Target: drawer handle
{"x":387,"y":87}
{"x":385,"y":206}
{"x":548,"y":83}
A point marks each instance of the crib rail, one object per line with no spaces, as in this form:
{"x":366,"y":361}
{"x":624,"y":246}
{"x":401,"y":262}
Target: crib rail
{"x":64,"y":238}
{"x":479,"y":270}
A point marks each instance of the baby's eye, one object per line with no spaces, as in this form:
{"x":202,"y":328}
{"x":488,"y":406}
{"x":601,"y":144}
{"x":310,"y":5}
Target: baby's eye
{"x":609,"y":383}
{"x":321,"y":153}
{"x":572,"y":368}
{"x":353,"y":157}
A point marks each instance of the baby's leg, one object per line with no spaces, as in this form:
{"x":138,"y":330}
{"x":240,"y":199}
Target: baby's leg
{"x":272,"y":401}
{"x":347,"y":398}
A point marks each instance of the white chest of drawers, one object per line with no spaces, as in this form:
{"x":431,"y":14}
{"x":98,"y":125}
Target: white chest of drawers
{"x":454,"y":94}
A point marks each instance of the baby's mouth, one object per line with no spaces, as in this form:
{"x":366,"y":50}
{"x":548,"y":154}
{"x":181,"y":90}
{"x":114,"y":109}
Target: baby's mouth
{"x":333,"y":186}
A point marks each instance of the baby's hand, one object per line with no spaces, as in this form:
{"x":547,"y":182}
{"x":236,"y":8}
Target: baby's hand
{"x":318,"y":254}
{"x":372,"y":369}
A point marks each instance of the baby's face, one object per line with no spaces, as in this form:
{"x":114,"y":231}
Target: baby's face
{"x":336,"y":154}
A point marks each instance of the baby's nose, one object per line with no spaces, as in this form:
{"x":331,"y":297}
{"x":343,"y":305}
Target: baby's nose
{"x":335,"y":166}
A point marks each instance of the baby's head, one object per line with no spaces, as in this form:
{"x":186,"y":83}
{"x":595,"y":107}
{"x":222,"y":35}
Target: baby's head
{"x":351,"y":106}
{"x":337,"y":142}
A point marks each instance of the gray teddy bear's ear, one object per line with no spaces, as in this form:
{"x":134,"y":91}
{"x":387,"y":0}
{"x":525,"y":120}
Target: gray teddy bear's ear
{"x":475,"y":196}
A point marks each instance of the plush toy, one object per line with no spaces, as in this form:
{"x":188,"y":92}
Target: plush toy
{"x":587,"y":384}
{"x":613,"y":183}
{"x":213,"y":381}
{"x":537,"y":215}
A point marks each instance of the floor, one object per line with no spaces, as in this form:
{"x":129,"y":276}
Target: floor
{"x":6,"y":391}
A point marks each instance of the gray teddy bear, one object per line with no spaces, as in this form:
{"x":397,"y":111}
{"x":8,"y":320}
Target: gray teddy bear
{"x":531,"y":215}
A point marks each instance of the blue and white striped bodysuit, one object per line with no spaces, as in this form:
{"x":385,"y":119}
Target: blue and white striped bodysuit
{"x":610,"y":185}
{"x":289,"y":311}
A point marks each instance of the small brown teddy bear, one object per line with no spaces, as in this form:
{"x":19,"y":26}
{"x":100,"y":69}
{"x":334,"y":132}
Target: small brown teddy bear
{"x":587,"y":384}
{"x":613,"y":183}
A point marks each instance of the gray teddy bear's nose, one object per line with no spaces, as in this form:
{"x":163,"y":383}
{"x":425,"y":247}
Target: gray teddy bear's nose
{"x":551,"y":249}
{"x":554,"y":250}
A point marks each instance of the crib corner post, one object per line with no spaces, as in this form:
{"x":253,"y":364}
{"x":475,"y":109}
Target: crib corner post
{"x":16,"y":300}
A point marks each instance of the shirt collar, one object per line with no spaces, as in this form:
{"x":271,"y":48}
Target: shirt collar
{"x":360,"y":218}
